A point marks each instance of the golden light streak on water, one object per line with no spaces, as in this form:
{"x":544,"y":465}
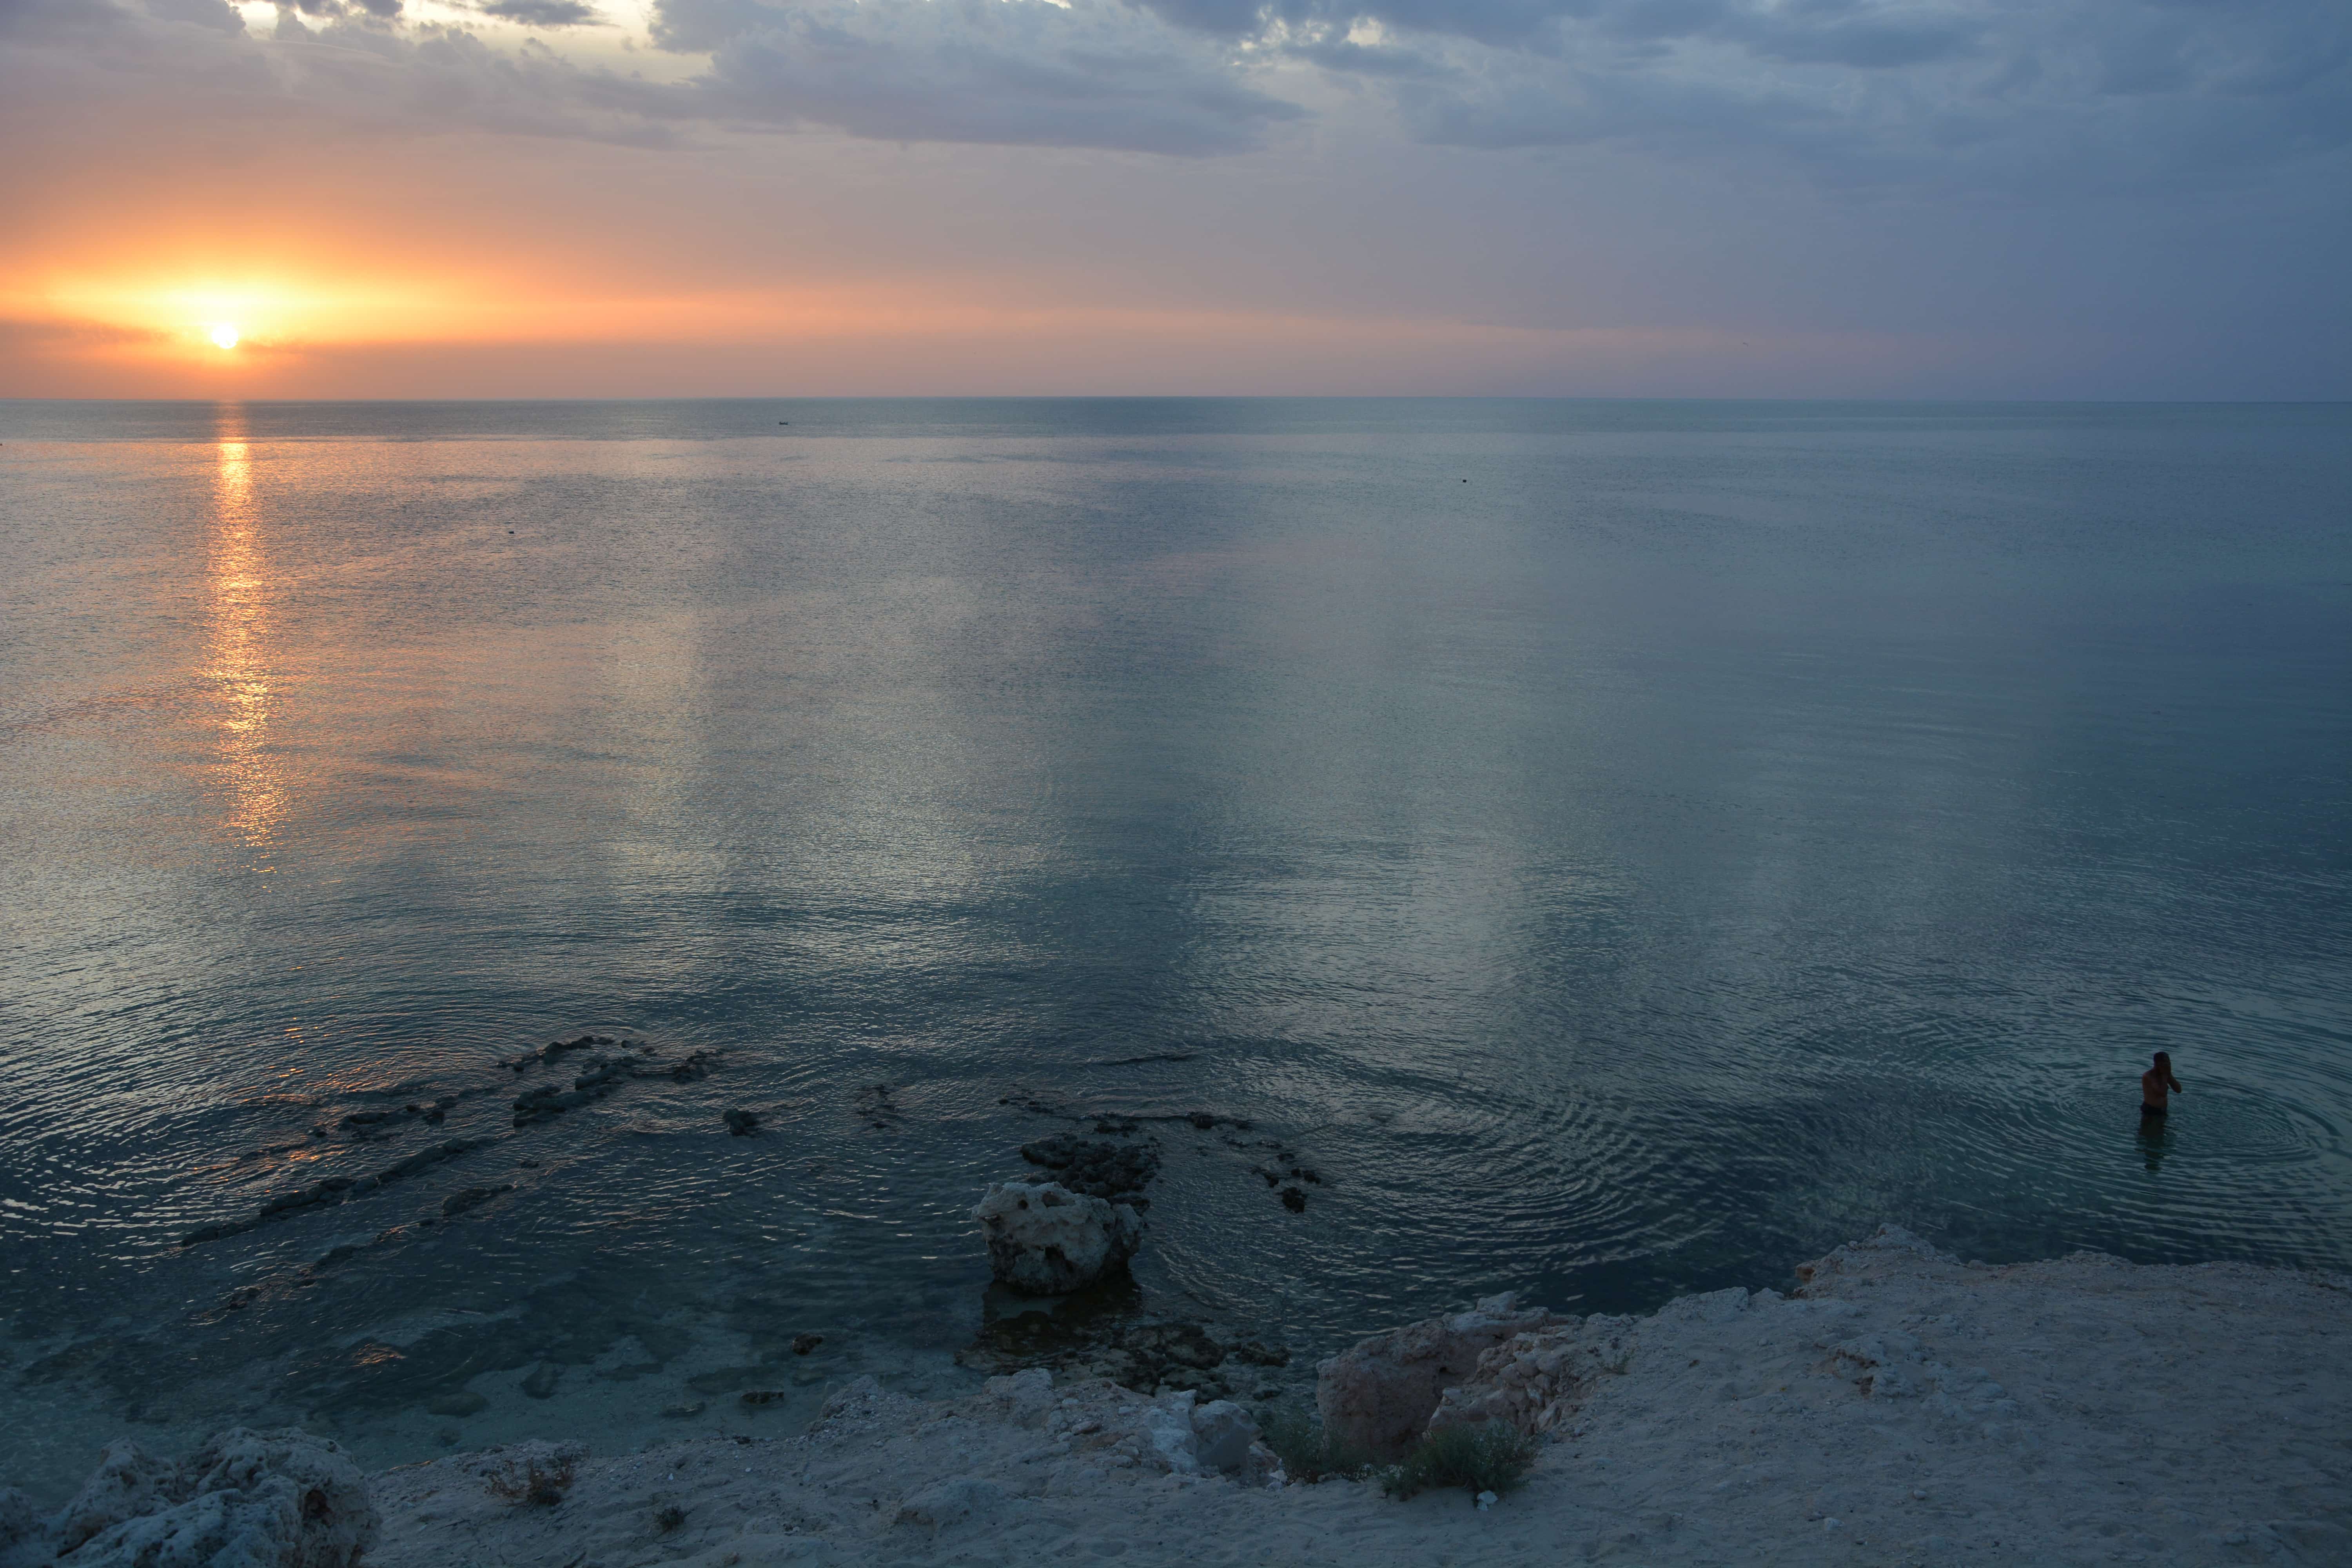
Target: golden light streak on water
{"x":240,"y":591}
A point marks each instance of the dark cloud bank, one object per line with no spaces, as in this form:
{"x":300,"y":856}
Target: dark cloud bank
{"x":2021,"y":96}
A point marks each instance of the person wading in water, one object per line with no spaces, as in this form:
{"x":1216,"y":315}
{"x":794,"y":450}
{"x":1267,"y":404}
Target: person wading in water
{"x":2154,"y":1085}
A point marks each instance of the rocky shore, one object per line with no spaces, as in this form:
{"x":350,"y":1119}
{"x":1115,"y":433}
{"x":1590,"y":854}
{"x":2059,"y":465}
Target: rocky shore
{"x":1897,"y":1406}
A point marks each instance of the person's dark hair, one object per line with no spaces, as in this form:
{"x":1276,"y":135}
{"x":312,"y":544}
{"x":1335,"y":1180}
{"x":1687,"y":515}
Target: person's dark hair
{"x":2164,"y":1059}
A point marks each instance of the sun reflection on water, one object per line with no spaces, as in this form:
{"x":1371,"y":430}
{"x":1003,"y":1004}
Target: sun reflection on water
{"x":239,"y":594}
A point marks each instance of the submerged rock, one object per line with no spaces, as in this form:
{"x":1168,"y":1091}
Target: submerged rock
{"x":364,"y":1124}
{"x":335,"y":1190}
{"x":1378,"y":1398}
{"x":1105,"y":1332}
{"x":600,"y":1077}
{"x":1046,"y":1240}
{"x":1159,"y":1356}
{"x":244,"y":1500}
{"x":692,"y":1065}
{"x":741,"y":1123}
{"x":1096,"y":1167}
{"x":430,"y":1110}
{"x":457,"y":1203}
{"x":554,"y":1049}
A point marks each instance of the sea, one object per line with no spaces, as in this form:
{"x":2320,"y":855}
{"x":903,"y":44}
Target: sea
{"x":1599,"y":850}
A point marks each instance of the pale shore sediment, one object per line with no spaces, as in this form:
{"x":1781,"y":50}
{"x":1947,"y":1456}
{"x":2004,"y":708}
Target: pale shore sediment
{"x":1900,"y":1407}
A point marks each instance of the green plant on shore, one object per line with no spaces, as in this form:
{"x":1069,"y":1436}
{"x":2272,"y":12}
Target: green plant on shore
{"x":1307,"y":1451}
{"x":543,"y":1485}
{"x":1492,"y":1456}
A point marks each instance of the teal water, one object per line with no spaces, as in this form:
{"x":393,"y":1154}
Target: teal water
{"x":1622,"y":849}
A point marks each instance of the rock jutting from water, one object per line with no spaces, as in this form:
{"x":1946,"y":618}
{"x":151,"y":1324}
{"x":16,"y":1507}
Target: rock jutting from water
{"x":601,"y":1077}
{"x":1046,"y":1240}
{"x":556,"y":1049}
{"x":364,"y":1125}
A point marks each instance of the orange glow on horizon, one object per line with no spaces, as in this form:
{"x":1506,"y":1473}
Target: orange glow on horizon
{"x":215,"y":315}
{"x":477,"y":311}
{"x":310,"y":316}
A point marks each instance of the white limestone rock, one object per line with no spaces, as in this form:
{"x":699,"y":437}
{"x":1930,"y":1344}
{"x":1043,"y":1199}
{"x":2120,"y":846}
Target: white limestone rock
{"x":1223,"y":1433}
{"x":1711,"y":1307}
{"x":128,"y":1482}
{"x":1027,"y":1394}
{"x":1261,"y":1469}
{"x":855,"y":1399}
{"x":244,"y":1500}
{"x":1046,"y":1240}
{"x":1167,"y":1425}
{"x":1536,"y":1380}
{"x":1891,"y":1246}
{"x":1378,"y":1398}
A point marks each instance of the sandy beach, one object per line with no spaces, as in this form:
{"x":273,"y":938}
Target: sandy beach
{"x":1898,"y":1406}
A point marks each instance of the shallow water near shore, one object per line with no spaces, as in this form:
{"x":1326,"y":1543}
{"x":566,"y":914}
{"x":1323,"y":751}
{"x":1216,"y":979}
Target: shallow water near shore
{"x":1619,"y":848}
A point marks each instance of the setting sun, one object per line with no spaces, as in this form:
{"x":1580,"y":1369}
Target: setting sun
{"x":224,"y":335}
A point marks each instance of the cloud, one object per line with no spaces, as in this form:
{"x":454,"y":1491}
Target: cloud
{"x":218,"y":16}
{"x":1092,"y":73}
{"x":361,"y":69}
{"x":50,"y":333}
{"x":543,"y":13}
{"x":2032,"y":99}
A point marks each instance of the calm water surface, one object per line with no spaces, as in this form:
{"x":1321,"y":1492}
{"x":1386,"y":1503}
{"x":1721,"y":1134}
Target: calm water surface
{"x":1622,"y":849}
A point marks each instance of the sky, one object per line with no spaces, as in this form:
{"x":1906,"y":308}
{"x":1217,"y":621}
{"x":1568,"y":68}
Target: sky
{"x":1779,"y":198}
